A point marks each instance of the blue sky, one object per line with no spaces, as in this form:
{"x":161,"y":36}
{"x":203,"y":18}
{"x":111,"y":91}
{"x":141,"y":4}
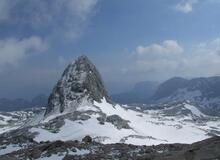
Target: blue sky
{"x":129,"y":41}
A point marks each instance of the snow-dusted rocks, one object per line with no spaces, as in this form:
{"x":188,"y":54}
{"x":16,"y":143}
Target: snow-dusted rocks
{"x":80,"y":82}
{"x":203,"y":92}
{"x":71,"y":150}
{"x":105,"y":123}
{"x":13,"y":120}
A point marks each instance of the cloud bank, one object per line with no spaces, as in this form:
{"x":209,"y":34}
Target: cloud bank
{"x":172,"y":59}
{"x":13,"y":50}
{"x":166,"y":48}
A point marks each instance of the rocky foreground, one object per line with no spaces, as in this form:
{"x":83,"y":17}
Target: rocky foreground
{"x":208,"y":149}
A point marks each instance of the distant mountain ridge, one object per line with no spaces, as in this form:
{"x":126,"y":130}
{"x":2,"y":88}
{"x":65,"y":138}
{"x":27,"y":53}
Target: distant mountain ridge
{"x":205,"y":92}
{"x":169,"y":87}
{"x":21,"y":104}
{"x":139,"y":94}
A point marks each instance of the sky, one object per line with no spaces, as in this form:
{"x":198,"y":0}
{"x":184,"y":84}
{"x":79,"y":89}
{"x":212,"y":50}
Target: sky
{"x":129,"y":41}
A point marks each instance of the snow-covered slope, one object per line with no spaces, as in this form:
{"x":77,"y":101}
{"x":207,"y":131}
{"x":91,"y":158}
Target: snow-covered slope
{"x":195,"y":111}
{"x":129,"y":126}
{"x":13,"y":120}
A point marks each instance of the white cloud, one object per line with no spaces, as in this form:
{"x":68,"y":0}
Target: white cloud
{"x":171,"y":59}
{"x":12,"y":50}
{"x":203,"y":60}
{"x":155,"y":59}
{"x":168,"y":47}
{"x":186,"y":6}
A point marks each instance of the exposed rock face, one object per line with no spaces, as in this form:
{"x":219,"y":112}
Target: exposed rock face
{"x":80,"y":81}
{"x":87,"y":139}
{"x":118,"y":122}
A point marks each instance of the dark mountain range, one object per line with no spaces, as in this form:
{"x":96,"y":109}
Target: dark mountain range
{"x":204,"y":92}
{"x":141,"y":93}
{"x":168,"y":87}
{"x":21,"y":104}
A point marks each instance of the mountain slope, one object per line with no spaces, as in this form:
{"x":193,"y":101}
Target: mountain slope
{"x":22,"y":104}
{"x":113,"y":124}
{"x":106,"y":123}
{"x":141,"y":93}
{"x":80,"y":81}
{"x":203,"y":92}
{"x":169,"y":87}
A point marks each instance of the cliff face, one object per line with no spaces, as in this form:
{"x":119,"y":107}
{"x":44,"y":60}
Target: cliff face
{"x":80,"y":81}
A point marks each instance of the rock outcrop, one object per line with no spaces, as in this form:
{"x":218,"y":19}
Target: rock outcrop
{"x":80,"y":82}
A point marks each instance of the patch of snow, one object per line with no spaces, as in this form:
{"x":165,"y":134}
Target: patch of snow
{"x":8,"y":128}
{"x":52,"y":157}
{"x":52,"y":116}
{"x":194,"y":110}
{"x":6,"y":118}
{"x":79,"y":152}
{"x":10,"y":148}
{"x":76,"y":131}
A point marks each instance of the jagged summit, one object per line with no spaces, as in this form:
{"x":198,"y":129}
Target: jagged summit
{"x":80,"y":81}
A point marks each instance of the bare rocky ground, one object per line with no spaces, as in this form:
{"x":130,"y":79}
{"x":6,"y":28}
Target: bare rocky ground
{"x":208,"y":149}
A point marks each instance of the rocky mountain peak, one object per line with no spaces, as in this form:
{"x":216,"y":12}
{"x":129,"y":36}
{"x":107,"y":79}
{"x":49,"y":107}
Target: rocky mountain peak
{"x":80,"y":81}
